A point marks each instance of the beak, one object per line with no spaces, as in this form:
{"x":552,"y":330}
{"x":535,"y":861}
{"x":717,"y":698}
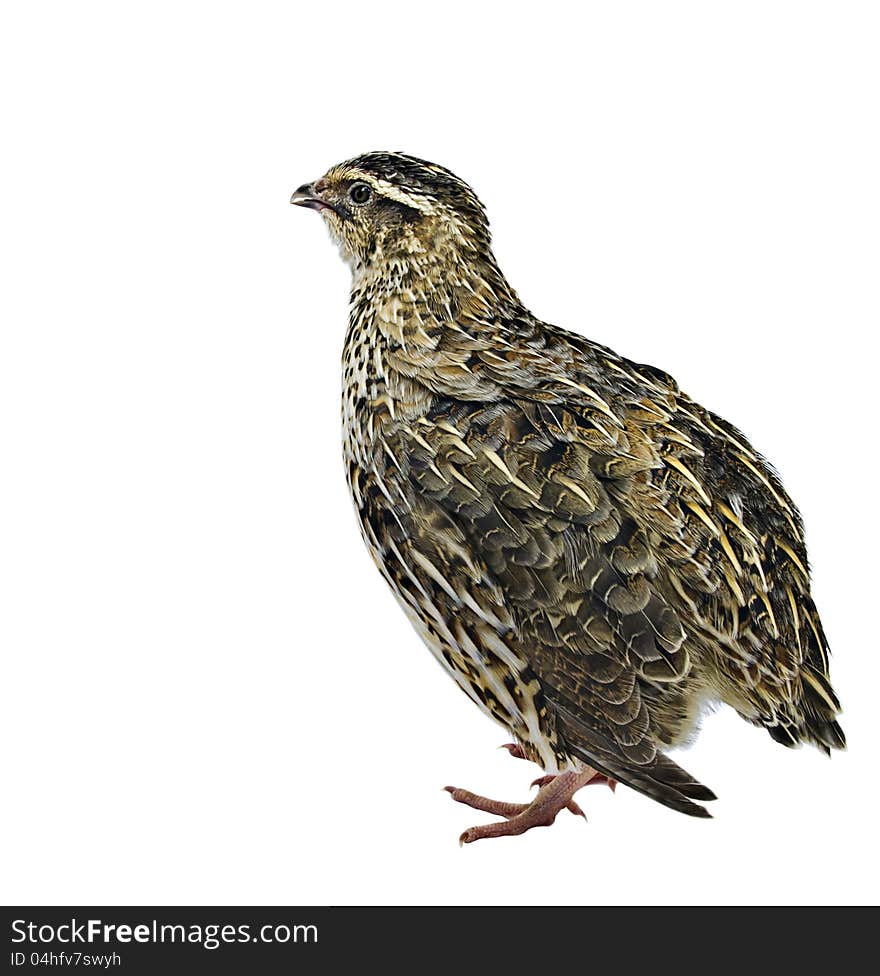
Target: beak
{"x":307,"y":196}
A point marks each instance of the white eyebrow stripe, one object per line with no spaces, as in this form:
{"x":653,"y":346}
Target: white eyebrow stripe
{"x":394,"y":192}
{"x":401,"y":196}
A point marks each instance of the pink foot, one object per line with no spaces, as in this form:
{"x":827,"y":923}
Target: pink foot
{"x":555,"y":793}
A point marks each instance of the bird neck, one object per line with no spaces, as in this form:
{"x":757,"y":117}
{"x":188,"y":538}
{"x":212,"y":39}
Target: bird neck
{"x":427,"y":293}
{"x":414,"y":328}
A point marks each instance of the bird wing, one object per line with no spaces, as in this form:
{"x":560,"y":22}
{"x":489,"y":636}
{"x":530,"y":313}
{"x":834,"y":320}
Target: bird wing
{"x":632,"y":533}
{"x":594,"y":430}
{"x":518,"y":478}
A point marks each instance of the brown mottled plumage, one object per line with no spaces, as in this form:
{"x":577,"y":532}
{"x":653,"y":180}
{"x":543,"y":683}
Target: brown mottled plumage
{"x":592,"y":555}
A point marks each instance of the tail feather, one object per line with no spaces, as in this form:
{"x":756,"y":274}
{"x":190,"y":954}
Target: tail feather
{"x":661,"y":778}
{"x":817,"y":707}
{"x":650,"y":781}
{"x":807,"y":710}
{"x":820,"y":708}
{"x":813,"y":718}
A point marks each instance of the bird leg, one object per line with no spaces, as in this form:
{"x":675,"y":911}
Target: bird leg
{"x":555,"y":793}
{"x":516,"y":750}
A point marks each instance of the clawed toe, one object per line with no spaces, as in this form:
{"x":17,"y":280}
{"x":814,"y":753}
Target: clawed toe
{"x":497,"y":807}
{"x":555,"y":793}
{"x":576,"y":810}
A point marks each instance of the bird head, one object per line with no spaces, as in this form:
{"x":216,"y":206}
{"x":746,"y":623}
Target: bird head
{"x":388,"y":210}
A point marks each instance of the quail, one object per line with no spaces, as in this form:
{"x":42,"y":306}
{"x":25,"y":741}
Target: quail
{"x":594,"y":557}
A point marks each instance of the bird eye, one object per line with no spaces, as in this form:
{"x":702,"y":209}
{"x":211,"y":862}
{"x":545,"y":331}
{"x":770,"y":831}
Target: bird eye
{"x":360,"y":193}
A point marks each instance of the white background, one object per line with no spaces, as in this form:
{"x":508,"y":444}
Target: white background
{"x":209,"y":695}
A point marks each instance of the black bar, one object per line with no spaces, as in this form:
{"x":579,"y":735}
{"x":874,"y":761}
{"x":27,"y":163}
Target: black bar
{"x":261,"y":940}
